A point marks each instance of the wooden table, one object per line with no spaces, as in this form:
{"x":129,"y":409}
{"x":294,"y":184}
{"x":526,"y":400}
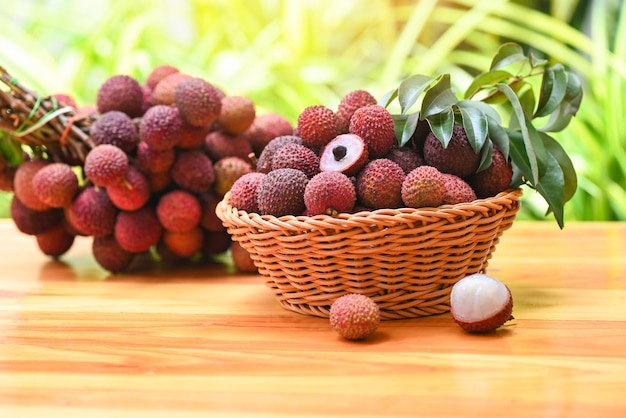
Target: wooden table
{"x":206,"y":341}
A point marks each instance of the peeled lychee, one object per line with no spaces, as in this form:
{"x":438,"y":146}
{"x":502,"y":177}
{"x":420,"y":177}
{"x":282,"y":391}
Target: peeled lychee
{"x":347,"y":153}
{"x":354,"y":316}
{"x":480,"y":303}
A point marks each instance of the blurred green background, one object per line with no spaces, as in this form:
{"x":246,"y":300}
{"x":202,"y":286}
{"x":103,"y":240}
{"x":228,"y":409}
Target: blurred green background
{"x":287,"y":54}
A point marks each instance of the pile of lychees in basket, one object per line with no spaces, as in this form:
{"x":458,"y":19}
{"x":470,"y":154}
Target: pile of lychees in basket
{"x":349,"y":160}
{"x":160,"y":156}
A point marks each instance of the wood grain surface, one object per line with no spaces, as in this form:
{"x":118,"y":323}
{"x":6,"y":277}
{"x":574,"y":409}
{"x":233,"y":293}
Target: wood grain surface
{"x":204,"y":340}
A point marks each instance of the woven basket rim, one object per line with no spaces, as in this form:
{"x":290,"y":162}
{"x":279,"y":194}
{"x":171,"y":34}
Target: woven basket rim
{"x":226,"y":212}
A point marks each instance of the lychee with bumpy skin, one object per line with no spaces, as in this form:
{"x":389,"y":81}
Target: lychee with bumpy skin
{"x":266,"y":127}
{"x":379,"y":184}
{"x":297,"y":156}
{"x":192,"y":136}
{"x":131,"y":193}
{"x":115,"y":128}
{"x":346,"y":153}
{"x":33,"y":222}
{"x":457,"y":190}
{"x":317,"y":125}
{"x":458,"y":158}
{"x":106,"y":165}
{"x":92,"y":212}
{"x":236,"y":115}
{"x":179,"y":211}
{"x":227,"y":171}
{"x":198,"y":100}
{"x":138,"y":230}
{"x":375,"y":125}
{"x":56,"y":241}
{"x":480,"y":303}
{"x":494,"y":179}
{"x":184,"y":244}
{"x":110,"y":255}
{"x":120,"y":92}
{"x":264,"y":162}
{"x":329,"y":192}
{"x":243,"y":193}
{"x":349,"y":103}
{"x":405,"y":157}
{"x":23,"y":184}
{"x":423,"y":187}
{"x":354,"y":316}
{"x":158,"y":73}
{"x":160,"y":127}
{"x":152,"y":160}
{"x":193,"y":171}
{"x":218,"y":144}
{"x":56,"y":184}
{"x":163,"y":92}
{"x":281,"y":192}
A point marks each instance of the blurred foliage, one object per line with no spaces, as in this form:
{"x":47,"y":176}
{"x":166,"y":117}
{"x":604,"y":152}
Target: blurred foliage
{"x":286,"y":55}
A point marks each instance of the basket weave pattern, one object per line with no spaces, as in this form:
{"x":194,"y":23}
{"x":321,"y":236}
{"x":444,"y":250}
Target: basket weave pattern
{"x":405,"y":259}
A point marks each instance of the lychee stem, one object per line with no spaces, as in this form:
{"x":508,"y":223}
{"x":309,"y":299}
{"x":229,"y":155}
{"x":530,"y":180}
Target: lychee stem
{"x":339,"y":152}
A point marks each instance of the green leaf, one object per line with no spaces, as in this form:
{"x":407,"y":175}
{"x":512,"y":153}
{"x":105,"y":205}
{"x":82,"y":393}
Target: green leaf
{"x":442,"y":125}
{"x":475,"y":125}
{"x":486,"y":155}
{"x":10,"y":149}
{"x":553,"y":89}
{"x":519,"y":156}
{"x":570,"y":180}
{"x":388,"y":97}
{"x":536,"y":62}
{"x":409,"y":128}
{"x":411,"y":89}
{"x":568,"y":108}
{"x":509,"y":53}
{"x":498,"y":136}
{"x":485,"y":80}
{"x":527,"y":99}
{"x":550,"y":186}
{"x":439,"y":97}
{"x":399,"y":124}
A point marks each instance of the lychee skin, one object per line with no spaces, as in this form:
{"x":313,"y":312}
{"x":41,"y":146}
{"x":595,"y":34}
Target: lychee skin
{"x":160,"y":127}
{"x":193,"y":171}
{"x":480,"y":303}
{"x":23,"y":184}
{"x":120,"y":92}
{"x":110,"y":255}
{"x":458,"y":158}
{"x":354,"y":316}
{"x":138,"y":230}
{"x":158,"y":73}
{"x":33,"y":222}
{"x":375,"y":125}
{"x":92,"y":212}
{"x":243,"y":193}
{"x":242,"y":259}
{"x":227,"y":171}
{"x":281,"y":192}
{"x":297,"y":156}
{"x":317,"y":125}
{"x":56,"y":241}
{"x":115,"y":128}
{"x":423,"y":187}
{"x":349,"y":104}
{"x":266,"y":127}
{"x":264,"y":162}
{"x":346,"y":153}
{"x":106,"y":165}
{"x":131,"y":193}
{"x":237,"y":114}
{"x":379,"y":184}
{"x":457,"y":190}
{"x":179,"y":211}
{"x":219,"y":144}
{"x":494,"y":179}
{"x":56,"y":185}
{"x":199,"y":101}
{"x":329,"y":192}
{"x":184,"y":244}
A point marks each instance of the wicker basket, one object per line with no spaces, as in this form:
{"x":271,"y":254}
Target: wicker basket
{"x":405,"y":259}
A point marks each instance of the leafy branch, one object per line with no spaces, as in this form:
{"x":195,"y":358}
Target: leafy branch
{"x":508,"y":91}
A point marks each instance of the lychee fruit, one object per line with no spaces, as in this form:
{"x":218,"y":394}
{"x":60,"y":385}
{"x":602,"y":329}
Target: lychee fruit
{"x":405,"y":157}
{"x":198,"y":100}
{"x":317,"y":125}
{"x":106,"y":165}
{"x":329,"y":192}
{"x":297,"y":156}
{"x":23,"y":184}
{"x":237,"y":114}
{"x":242,"y":259}
{"x":120,"y":92}
{"x":92,"y":212}
{"x":349,"y":104}
{"x":480,"y":303}
{"x":138,"y":230}
{"x":219,"y":144}
{"x":110,"y":255}
{"x":227,"y":171}
{"x":208,"y":218}
{"x":163,"y":91}
{"x":423,"y":187}
{"x":494,"y":179}
{"x":243,"y":193}
{"x":346,"y":153}
{"x":56,"y":184}
{"x":115,"y":128}
{"x":56,"y":241}
{"x":281,"y":192}
{"x":179,"y":211}
{"x":375,"y":125}
{"x":457,"y":190}
{"x":33,"y":222}
{"x":266,"y":127}
{"x":458,"y":158}
{"x":153,"y":160}
{"x":379,"y":184}
{"x":131,"y":193}
{"x":184,"y":244}
{"x":264,"y":162}
{"x":160,"y":127}
{"x":193,"y":171}
{"x":158,"y":73}
{"x":354,"y":316}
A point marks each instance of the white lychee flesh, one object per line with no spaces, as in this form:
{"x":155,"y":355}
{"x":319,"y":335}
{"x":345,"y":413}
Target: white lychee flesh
{"x":480,"y":303}
{"x":347,"y":153}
